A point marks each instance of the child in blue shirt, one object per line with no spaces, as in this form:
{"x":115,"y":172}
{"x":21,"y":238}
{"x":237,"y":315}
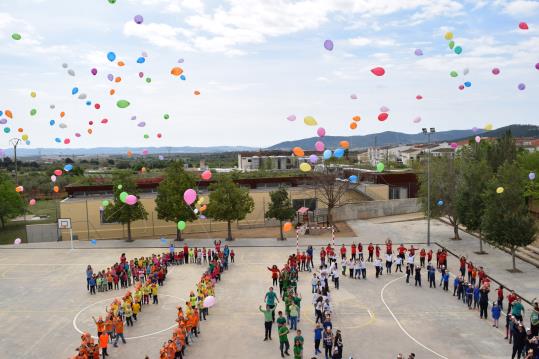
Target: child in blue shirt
{"x":476,"y":297}
{"x":445,"y":278}
{"x":455,"y":285}
{"x":496,"y":311}
{"x":317,"y":338}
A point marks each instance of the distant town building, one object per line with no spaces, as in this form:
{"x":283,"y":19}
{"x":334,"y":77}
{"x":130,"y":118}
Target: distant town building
{"x":270,"y":160}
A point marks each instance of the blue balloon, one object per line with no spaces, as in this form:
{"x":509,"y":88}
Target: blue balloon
{"x":68,"y":167}
{"x":93,"y":241}
{"x":141,"y":60}
{"x":111,"y":56}
{"x":182,"y":77}
{"x":339,"y":152}
{"x":467,"y":84}
{"x":27,"y":142}
{"x":88,"y":103}
{"x":327,"y":154}
{"x":74,"y":90}
{"x":352,"y":179}
{"x":163,"y":240}
{"x":58,"y":140}
{"x":440,"y":203}
{"x":52,"y":122}
{"x":1,"y":113}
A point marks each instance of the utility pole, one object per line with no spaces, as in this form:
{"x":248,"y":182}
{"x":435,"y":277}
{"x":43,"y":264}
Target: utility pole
{"x":428,"y":133}
{"x":15,"y":142}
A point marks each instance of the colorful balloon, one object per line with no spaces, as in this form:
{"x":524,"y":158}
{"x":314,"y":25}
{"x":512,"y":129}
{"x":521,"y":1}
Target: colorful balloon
{"x":287,"y":227}
{"x":319,"y":146}
{"x":141,"y":60}
{"x":378,"y":71}
{"x":17,"y":241}
{"x":105,"y":203}
{"x":176,"y":71}
{"x":465,"y":71}
{"x":521,"y":86}
{"x":181,"y":225}
{"x":53,"y":178}
{"x":495,"y":71}
{"x":123,"y":196}
{"x":206,"y":175}
{"x":499,"y":190}
{"x":418,"y":52}
{"x":71,"y":72}
{"x":384,"y":109}
{"x":328,"y":45}
{"x":304,"y":167}
{"x":380,"y":167}
{"x":131,"y":200}
{"x":15,"y":36}
{"x":189,"y":196}
{"x":310,"y":121}
{"x":313,"y":159}
{"x":440,"y":202}
{"x":291,"y":118}
{"x":344,"y":144}
{"x":523,"y":26}
{"x":383,"y":116}
{"x":468,"y":84}
{"x":298,"y":151}
{"x":356,"y":118}
{"x":353,"y":125}
{"x":419,"y":97}
{"x":531,"y":176}
{"x":122,"y":103}
{"x":327,"y":154}
{"x":94,"y":71}
{"x":58,"y":172}
{"x":321,"y":132}
{"x":353,"y":179}
{"x":338,"y":153}
{"x":138,"y":19}
{"x":417,"y":119}
{"x":68,"y":167}
{"x":353,"y":96}
{"x":453,"y":74}
{"x":111,"y":56}
{"x":454,"y":145}
{"x":32,"y":202}
{"x":451,"y":44}
{"x":477,"y":139}
{"x":448,"y":35}
{"x":458,"y":50}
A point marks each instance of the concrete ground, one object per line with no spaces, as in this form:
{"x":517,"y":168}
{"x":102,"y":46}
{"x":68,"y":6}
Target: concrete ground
{"x":45,"y":298}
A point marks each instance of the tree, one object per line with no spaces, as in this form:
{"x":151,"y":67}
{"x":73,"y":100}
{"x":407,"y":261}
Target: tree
{"x":11,"y":203}
{"x":170,"y":205}
{"x":507,"y":221}
{"x":229,"y":202}
{"x":329,"y":189}
{"x":444,"y":172}
{"x":502,"y":150}
{"x":472,"y":182}
{"x":280,"y":208}
{"x":119,"y":211}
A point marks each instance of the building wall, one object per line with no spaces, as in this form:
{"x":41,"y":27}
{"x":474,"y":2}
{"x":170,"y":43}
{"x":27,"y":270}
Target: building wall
{"x":86,"y":220}
{"x":374,"y":209}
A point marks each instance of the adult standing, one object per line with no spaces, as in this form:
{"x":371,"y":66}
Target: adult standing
{"x":327,"y":338}
{"x":338,"y":345}
{"x":534,"y":319}
{"x":270,"y":299}
{"x":483,"y":301}
{"x":269,"y":313}
{"x":517,"y":310}
{"x":89,"y":275}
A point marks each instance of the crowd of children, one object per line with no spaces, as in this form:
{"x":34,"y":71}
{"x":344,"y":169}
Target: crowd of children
{"x":126,"y":273}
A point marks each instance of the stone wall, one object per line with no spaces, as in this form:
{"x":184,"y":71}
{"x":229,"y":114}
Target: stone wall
{"x":372,"y":209}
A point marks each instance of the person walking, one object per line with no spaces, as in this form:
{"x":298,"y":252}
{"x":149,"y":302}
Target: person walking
{"x":534,"y":320}
{"x":483,"y":301}
{"x":293,"y":316}
{"x":269,"y":313}
{"x":517,"y":309}
{"x":328,"y":342}
{"x":284,"y":344}
{"x":119,"y":328}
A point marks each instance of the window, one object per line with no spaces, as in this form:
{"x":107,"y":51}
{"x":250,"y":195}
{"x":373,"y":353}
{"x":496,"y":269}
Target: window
{"x":394,"y":192}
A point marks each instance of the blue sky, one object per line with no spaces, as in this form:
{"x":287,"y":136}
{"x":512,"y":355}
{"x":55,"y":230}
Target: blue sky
{"x":256,"y":62}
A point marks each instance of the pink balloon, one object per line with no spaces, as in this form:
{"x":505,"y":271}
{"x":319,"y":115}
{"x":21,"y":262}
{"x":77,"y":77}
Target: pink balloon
{"x":131,"y":200}
{"x":454,"y":145}
{"x":321,"y":132}
{"x":291,"y":118}
{"x":353,"y":96}
{"x":53,"y":178}
{"x":94,"y":71}
{"x":384,"y":109}
{"x":319,"y":145}
{"x":378,"y":71}
{"x":206,"y":175}
{"x":209,"y":301}
{"x":145,"y":152}
{"x":58,"y":172}
{"x":417,"y":119}
{"x":189,"y":196}
{"x":17,"y":241}
{"x":32,"y":202}
{"x":477,"y":139}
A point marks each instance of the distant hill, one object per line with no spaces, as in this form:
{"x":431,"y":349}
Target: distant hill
{"x":32,"y":152}
{"x":395,"y":138}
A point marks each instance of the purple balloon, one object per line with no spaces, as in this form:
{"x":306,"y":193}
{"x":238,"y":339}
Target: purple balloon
{"x":313,"y":158}
{"x":141,"y":124}
{"x":138,"y":19}
{"x":133,"y":118}
{"x":418,"y":52}
{"x":328,"y":45}
{"x":474,"y":129}
{"x":110,"y":77}
{"x":180,"y":61}
{"x":521,"y":86}
{"x":94,"y":71}
{"x":141,"y":74}
{"x":3,"y":121}
{"x":537,"y":66}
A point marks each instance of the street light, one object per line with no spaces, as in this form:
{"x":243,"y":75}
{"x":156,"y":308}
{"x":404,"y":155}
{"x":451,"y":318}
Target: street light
{"x":428,"y":133}
{"x":15,"y":142}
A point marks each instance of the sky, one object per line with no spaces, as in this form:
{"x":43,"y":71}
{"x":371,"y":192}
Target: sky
{"x":256,"y":62}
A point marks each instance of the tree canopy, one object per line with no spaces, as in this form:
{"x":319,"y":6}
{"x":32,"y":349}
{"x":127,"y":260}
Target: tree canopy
{"x":280,"y":207}
{"x":11,"y":202}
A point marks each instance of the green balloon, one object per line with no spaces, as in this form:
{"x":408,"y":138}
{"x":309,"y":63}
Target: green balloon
{"x":380,"y":167}
{"x":148,"y":79}
{"x":181,"y":225}
{"x":120,"y":186}
{"x":122,"y":103}
{"x":16,"y":36}
{"x":458,"y":50}
{"x":33,"y":112}
{"x":123,"y":196}
{"x":453,"y":74}
{"x":112,"y":1}
{"x":105,"y":203}
{"x":146,"y":136}
{"x":166,"y":116}
{"x":451,"y":44}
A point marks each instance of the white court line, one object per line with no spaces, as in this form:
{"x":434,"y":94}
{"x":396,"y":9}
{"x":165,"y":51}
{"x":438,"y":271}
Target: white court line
{"x":137,"y":337}
{"x":400,"y":325}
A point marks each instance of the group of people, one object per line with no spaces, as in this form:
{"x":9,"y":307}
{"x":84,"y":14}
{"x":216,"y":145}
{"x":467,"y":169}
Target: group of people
{"x":125,"y":273}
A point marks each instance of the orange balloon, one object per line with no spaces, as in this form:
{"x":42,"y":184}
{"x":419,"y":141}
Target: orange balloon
{"x":20,"y":129}
{"x":112,"y":92}
{"x":298,"y":151}
{"x":62,"y":114}
{"x":121,"y":63}
{"x":344,"y":144}
{"x":118,"y":79}
{"x":356,"y":118}
{"x":203,"y":208}
{"x":90,"y":131}
{"x":353,"y":125}
{"x":56,"y":189}
{"x":9,"y":113}
{"x":176,"y":71}
{"x":197,"y":92}
{"x":287,"y":227}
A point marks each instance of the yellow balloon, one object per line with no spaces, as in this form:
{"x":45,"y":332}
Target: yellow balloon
{"x":310,"y":121}
{"x":448,"y":35}
{"x":489,"y":127}
{"x":33,"y":94}
{"x":24,"y":137}
{"x":305,"y":167}
{"x":499,"y":190}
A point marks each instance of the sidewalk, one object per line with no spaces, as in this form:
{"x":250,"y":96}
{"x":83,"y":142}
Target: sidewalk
{"x":496,"y":263}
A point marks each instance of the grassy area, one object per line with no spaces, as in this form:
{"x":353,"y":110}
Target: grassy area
{"x":17,"y":229}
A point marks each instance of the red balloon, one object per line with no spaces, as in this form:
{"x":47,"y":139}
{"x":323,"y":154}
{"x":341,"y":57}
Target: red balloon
{"x":383,"y":116}
{"x":90,"y":123}
{"x":67,"y":141}
{"x":378,"y":71}
{"x":523,"y":26}
{"x":419,"y":97}
{"x":104,"y":121}
{"x":97,"y":106}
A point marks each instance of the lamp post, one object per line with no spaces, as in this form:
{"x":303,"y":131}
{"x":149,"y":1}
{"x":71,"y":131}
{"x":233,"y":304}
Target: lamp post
{"x":15,"y":142}
{"x":428,"y":133}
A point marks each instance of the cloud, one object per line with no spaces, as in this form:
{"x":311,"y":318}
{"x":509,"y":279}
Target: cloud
{"x":161,"y":35}
{"x":521,"y":8}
